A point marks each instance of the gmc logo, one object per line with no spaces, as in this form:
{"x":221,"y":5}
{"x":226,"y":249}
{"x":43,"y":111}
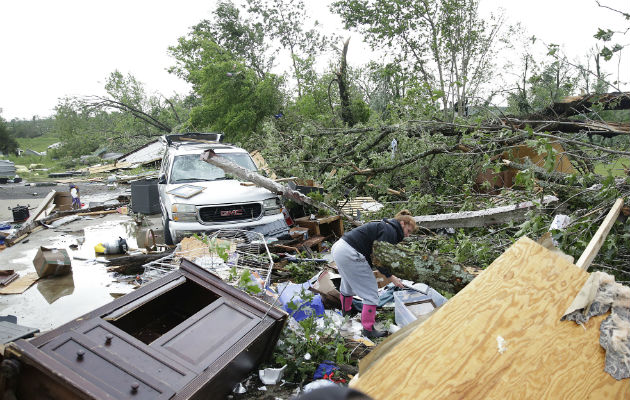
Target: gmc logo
{"x":231,"y":213}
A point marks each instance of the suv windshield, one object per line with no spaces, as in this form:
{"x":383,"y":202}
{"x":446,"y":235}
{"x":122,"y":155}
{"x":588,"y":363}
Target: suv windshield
{"x":189,"y":168}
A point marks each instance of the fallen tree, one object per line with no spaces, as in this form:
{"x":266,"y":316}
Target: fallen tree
{"x":420,"y":267}
{"x":230,"y":167}
{"x":134,"y":264}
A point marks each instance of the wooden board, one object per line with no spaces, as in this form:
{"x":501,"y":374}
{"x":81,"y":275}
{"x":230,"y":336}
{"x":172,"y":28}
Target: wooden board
{"x":20,"y":285}
{"x":10,"y":332}
{"x":261,"y":164}
{"x":109,"y":167}
{"x":353,"y":205}
{"x":598,"y":239}
{"x":43,"y":205}
{"x":520,"y":297}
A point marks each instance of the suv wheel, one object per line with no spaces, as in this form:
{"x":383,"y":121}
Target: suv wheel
{"x":167,"y":233}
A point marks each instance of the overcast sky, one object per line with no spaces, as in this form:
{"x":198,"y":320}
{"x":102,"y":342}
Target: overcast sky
{"x":51,"y":49}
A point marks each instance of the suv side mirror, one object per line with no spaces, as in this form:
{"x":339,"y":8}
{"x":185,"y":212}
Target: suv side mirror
{"x":161,"y":179}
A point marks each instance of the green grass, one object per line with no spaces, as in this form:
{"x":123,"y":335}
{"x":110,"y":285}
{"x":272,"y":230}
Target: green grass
{"x":616,"y":168}
{"x":39,"y":143}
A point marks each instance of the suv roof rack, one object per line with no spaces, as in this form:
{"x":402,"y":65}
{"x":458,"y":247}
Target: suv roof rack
{"x":192,"y":138}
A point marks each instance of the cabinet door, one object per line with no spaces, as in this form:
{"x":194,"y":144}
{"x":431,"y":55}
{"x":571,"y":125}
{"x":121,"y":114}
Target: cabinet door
{"x":104,"y":369}
{"x":136,"y":353}
{"x":209,"y":333}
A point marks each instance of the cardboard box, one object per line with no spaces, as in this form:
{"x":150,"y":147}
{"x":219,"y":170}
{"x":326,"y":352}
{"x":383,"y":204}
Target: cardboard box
{"x":63,"y":201}
{"x":50,"y":261}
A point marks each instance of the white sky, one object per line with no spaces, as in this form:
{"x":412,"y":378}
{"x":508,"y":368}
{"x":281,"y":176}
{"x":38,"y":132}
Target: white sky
{"x":51,"y":49}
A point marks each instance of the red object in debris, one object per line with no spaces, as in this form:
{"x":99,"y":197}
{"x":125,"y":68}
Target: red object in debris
{"x":287,"y":217}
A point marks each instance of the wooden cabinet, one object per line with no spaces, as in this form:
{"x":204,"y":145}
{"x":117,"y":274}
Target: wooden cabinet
{"x":188,"y":335}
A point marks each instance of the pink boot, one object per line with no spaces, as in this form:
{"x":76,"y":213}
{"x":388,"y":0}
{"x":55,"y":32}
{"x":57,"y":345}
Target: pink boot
{"x":368,"y":316}
{"x":346,"y":304}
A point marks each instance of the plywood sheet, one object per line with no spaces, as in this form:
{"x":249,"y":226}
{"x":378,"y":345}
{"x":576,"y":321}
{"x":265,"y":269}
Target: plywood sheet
{"x":520,"y":297}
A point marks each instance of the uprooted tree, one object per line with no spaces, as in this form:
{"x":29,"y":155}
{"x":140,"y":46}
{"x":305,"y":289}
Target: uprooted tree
{"x":435,"y":165}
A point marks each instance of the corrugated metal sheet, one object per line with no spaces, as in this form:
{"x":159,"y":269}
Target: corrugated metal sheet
{"x":149,"y":152}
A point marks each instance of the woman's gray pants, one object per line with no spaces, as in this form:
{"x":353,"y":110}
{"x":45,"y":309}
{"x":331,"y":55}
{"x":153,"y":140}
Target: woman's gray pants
{"x":357,"y":277}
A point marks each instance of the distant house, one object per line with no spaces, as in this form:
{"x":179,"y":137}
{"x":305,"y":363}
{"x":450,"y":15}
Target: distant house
{"x":30,"y":152}
{"x":111,"y":156}
{"x":152,"y":151}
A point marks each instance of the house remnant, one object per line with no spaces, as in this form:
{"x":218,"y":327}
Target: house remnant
{"x":520,"y":297}
{"x":188,"y":335}
{"x":148,"y":153}
{"x":505,"y":178}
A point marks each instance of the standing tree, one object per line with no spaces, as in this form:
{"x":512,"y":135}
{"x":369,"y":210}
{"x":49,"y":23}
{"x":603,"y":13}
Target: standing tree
{"x":225,"y":61}
{"x":122,"y":120}
{"x":287,"y":21}
{"x":445,"y":44}
{"x":241,"y":37}
{"x":8,"y":144}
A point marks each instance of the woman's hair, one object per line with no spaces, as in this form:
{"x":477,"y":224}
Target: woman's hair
{"x":406,"y":217}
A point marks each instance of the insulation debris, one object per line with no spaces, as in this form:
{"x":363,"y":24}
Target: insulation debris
{"x":599,"y":295}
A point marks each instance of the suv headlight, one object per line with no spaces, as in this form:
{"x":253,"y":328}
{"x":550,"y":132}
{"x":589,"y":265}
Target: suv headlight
{"x":184,"y":212}
{"x":272,"y":206}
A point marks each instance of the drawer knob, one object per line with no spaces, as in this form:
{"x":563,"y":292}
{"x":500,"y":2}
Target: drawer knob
{"x":80,"y":354}
{"x":108,"y":339}
{"x":134,"y":387}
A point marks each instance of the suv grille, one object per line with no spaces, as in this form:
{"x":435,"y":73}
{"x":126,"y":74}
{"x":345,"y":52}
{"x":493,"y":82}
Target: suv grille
{"x":236,"y":212}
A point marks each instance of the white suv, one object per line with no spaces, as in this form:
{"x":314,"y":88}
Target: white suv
{"x":222,"y":201}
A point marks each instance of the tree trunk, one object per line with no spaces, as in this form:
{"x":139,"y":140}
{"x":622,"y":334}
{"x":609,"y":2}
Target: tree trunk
{"x":346,"y":112}
{"x":418,"y":267}
{"x":574,"y":105}
{"x":230,"y":167}
{"x":134,"y":264}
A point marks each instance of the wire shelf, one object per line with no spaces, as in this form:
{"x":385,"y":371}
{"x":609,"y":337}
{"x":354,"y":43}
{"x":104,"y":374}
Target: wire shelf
{"x":226,"y":252}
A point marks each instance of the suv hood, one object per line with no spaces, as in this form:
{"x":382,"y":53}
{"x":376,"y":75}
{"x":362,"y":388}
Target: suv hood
{"x":228,"y":191}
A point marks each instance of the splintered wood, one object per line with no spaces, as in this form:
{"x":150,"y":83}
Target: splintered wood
{"x":501,"y":338}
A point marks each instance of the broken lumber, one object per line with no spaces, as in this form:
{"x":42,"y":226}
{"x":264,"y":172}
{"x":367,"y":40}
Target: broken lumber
{"x":31,"y":227}
{"x":418,"y":267}
{"x":42,"y":206}
{"x":598,"y":240}
{"x":228,"y":166}
{"x":489,"y":216}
